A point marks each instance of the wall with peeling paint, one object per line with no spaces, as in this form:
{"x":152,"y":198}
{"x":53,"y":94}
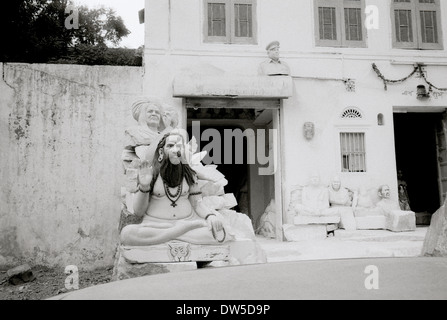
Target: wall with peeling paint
{"x":61,"y":137}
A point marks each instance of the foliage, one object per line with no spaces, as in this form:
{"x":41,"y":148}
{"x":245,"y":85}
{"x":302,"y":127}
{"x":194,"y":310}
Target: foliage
{"x":36,"y":33}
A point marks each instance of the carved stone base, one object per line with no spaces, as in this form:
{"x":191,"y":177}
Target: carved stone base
{"x":175,"y":251}
{"x":174,"y":256}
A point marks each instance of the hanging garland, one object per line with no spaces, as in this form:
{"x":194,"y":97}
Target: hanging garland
{"x":431,"y":85}
{"x":417,"y":68}
{"x":386,"y":81}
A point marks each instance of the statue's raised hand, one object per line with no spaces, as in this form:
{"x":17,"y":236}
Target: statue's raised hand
{"x":145,"y":176}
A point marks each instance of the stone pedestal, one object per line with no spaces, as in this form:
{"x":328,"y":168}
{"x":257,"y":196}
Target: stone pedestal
{"x":177,"y":256}
{"x":310,"y":227}
{"x":173,"y":256}
{"x":371,"y":223}
{"x":309,"y":220}
{"x":400,"y":221}
{"x":304,"y":232}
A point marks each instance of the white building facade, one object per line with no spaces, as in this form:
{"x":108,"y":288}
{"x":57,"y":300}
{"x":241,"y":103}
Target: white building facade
{"x":202,"y":56}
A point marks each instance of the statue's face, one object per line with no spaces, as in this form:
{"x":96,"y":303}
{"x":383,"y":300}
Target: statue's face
{"x":385,"y":192}
{"x":273,"y":53}
{"x":336,"y":184}
{"x":153,"y":115}
{"x":315,"y":180}
{"x":173,"y":149}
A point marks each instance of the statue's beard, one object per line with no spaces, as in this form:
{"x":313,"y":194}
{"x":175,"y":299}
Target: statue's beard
{"x":173,"y":175}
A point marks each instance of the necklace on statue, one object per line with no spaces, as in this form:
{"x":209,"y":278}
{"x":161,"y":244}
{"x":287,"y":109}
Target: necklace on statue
{"x":173,"y":197}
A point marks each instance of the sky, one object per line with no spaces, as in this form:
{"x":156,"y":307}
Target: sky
{"x":128,"y":10}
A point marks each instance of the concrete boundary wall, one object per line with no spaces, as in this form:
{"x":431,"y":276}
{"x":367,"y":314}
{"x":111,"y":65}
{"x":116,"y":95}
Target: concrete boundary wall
{"x":61,"y":137}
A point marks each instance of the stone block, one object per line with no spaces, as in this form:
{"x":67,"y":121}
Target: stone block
{"x":347,"y":219}
{"x":435,"y":242}
{"x":304,"y":232}
{"x":400,"y":221}
{"x":20,"y":275}
{"x":367,"y":212}
{"x":371,"y":223}
{"x":309,"y":220}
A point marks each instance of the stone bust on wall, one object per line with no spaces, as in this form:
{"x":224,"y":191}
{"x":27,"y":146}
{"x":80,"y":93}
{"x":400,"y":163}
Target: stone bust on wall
{"x":273,"y":66}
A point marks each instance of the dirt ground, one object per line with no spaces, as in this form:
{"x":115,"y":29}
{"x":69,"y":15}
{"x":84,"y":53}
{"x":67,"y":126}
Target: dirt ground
{"x":49,"y":283}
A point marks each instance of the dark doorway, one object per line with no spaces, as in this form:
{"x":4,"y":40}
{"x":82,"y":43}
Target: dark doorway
{"x":236,"y":173}
{"x":416,"y":158}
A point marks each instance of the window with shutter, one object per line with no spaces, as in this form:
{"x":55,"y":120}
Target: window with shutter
{"x":230,"y":21}
{"x":353,"y":152}
{"x":417,"y":24}
{"x":340,"y":23}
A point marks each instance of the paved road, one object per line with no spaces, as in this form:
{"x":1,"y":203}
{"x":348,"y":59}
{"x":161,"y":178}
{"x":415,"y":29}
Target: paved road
{"x":398,"y":278}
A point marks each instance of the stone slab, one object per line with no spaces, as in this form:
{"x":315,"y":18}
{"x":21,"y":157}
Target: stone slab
{"x":401,"y":221}
{"x":435,"y":242}
{"x":347,"y":220}
{"x":370,"y":223}
{"x":309,"y":220}
{"x":175,"y":251}
{"x":304,"y":232}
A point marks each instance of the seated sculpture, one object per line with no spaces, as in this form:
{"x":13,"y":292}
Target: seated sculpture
{"x":315,"y":199}
{"x":170,"y":201}
{"x":340,"y":198}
